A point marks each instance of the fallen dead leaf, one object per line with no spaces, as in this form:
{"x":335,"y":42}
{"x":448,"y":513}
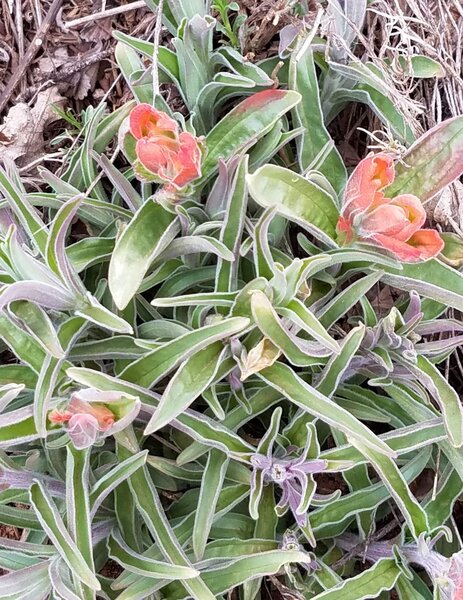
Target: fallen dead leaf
{"x":22,"y":132}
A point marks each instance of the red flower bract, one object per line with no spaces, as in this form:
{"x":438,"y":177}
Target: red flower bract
{"x":172,"y":156}
{"x":394,"y":224}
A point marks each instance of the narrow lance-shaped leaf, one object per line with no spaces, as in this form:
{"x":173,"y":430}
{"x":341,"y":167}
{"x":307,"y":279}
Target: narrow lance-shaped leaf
{"x":149,"y":232}
{"x":296,"y":198}
{"x":149,"y":505}
{"x":368,"y":584}
{"x":232,"y":229}
{"x":414,"y":514}
{"x":56,"y":255}
{"x":192,"y":378}
{"x":53,"y":525}
{"x":446,"y":396}
{"x":245,"y":124}
{"x":346,"y":299}
{"x":270,"y":325}
{"x":18,"y":583}
{"x":106,"y":484}
{"x":78,"y":508}
{"x":211,"y":486}
{"x":431,"y":279}
{"x":100,"y":315}
{"x":298,"y":313}
{"x":26,"y":214}
{"x":148,"y":369}
{"x":147,"y":567}
{"x":39,"y":325}
{"x":283,"y":378}
{"x":432,"y":162}
{"x":61,"y":580}
{"x":315,"y":147}
{"x":332,"y":373}
{"x":223,"y":578}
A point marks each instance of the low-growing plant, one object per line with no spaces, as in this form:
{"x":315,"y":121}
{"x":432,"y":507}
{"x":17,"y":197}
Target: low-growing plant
{"x":235,"y":377}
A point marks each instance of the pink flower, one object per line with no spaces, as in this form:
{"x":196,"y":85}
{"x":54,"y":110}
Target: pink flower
{"x":455,"y":576}
{"x":173,"y":157}
{"x":394,"y":224}
{"x":87,"y":418}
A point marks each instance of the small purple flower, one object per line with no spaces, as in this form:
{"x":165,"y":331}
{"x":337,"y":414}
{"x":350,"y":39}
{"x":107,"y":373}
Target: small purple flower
{"x":291,"y":475}
{"x":446,"y":573}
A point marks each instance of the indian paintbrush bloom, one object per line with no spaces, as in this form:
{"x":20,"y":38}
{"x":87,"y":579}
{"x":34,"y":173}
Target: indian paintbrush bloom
{"x":168,"y":155}
{"x":88,"y":416}
{"x":392,"y":223}
{"x":446,"y":573}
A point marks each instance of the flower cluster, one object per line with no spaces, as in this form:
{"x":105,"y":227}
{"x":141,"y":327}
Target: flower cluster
{"x":87,"y":417}
{"x":166,"y":154}
{"x":394,"y":224}
{"x":291,"y":476}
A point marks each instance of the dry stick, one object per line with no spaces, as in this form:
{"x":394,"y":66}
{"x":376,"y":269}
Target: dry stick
{"x":32,"y":50}
{"x":157,"y":37}
{"x":20,"y":32}
{"x":106,"y":13}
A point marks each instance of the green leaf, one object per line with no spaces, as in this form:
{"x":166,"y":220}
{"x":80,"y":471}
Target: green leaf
{"x":335,"y":516}
{"x":345,"y":300}
{"x":431,"y":279}
{"x":26,"y":214}
{"x":332,"y":373}
{"x":106,"y":484}
{"x":147,"y":567}
{"x":297,"y":312}
{"x":432,"y":162}
{"x":232,"y":229}
{"x":39,"y":325}
{"x":368,"y":584}
{"x":316,"y":149}
{"x":193,"y":377}
{"x":100,"y":315}
{"x":149,"y":232}
{"x":220,"y":579}
{"x":78,"y":507}
{"x":149,"y":369}
{"x":283,"y":378}
{"x":268,"y":322}
{"x":414,"y":514}
{"x":447,"y":398}
{"x":245,"y":124}
{"x":421,"y":67}
{"x":296,"y":198}
{"x":150,"y":507}
{"x":53,"y":525}
{"x":211,"y":485}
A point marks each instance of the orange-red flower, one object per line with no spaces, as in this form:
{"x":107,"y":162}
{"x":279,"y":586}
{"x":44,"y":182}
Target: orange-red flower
{"x":171,"y":156}
{"x":395,"y":224}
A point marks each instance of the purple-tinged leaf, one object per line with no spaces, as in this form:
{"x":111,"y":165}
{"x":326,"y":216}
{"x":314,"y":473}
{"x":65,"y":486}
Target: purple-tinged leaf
{"x":43,"y":294}
{"x":56,"y":248}
{"x":431,"y":163}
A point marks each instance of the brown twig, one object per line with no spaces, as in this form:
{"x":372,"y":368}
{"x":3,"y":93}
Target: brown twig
{"x":32,"y":50}
{"x":105,"y":13}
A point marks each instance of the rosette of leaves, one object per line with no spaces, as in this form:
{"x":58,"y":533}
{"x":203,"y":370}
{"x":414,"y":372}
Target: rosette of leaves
{"x":222,"y":323}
